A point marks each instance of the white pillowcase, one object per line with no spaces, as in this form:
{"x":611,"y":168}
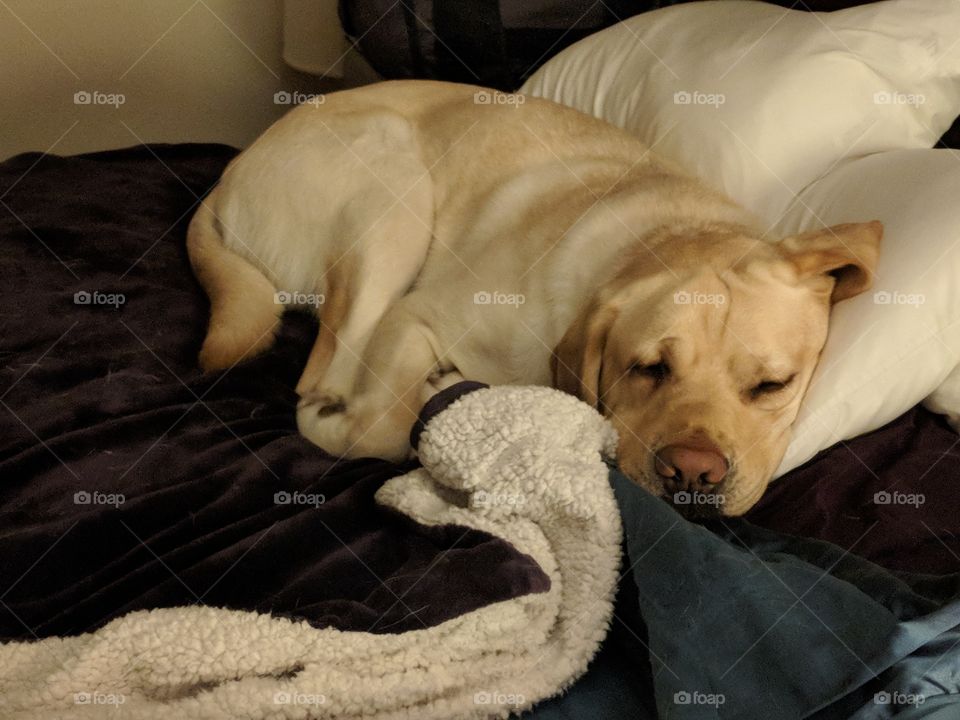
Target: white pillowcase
{"x":892,"y":346}
{"x":760,"y":100}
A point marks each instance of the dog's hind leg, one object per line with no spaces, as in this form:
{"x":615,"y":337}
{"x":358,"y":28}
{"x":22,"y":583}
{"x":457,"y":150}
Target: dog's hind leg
{"x":377,"y":419}
{"x":378,"y":270}
{"x":334,"y":312}
{"x":244,"y":314}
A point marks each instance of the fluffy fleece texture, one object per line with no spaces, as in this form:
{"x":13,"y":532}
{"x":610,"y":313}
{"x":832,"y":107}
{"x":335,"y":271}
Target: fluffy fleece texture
{"x":521,"y":463}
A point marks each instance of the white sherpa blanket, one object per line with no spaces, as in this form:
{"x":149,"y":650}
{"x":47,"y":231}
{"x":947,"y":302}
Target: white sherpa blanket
{"x":521,"y":463}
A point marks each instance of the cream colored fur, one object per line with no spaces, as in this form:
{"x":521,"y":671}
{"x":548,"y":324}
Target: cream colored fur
{"x":438,"y":236}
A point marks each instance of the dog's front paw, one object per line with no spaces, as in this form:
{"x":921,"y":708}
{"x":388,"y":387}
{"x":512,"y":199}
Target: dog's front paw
{"x":354,"y":429}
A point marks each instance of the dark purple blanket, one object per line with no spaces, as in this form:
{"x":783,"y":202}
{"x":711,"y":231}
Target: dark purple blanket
{"x":890,"y":496}
{"x":129,"y":481}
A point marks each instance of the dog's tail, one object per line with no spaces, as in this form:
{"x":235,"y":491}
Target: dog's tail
{"x":244,"y":314}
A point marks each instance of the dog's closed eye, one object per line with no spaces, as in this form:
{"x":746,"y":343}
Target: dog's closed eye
{"x":658,"y":371}
{"x":769,"y":387}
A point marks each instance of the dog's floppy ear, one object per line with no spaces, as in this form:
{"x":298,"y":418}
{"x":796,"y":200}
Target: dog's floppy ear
{"x":847,"y":254}
{"x":578,"y":357}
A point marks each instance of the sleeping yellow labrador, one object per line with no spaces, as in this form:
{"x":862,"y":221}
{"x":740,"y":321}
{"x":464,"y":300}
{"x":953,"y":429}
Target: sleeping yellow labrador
{"x":439,"y":234}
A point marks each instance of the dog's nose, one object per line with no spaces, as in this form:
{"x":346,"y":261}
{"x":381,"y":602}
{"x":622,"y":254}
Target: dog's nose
{"x":691,"y":467}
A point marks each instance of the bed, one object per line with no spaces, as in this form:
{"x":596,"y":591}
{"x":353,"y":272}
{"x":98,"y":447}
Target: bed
{"x":134,"y":488}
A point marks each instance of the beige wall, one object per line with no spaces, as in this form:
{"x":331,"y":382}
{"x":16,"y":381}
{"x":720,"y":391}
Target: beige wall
{"x":188,"y":70}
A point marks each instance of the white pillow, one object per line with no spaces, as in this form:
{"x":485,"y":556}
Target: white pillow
{"x":892,"y":346}
{"x":760,"y":100}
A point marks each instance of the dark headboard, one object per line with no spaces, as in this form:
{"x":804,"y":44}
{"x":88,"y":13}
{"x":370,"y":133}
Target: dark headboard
{"x":496,"y":43}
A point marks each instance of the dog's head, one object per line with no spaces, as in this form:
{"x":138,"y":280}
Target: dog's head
{"x":700,"y":351}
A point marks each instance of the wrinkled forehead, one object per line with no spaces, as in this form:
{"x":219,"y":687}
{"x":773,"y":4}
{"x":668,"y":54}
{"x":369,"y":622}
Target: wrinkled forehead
{"x":752,"y":313}
{"x":781,"y":325}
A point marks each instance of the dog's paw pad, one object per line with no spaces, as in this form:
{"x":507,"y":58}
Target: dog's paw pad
{"x":325,"y":403}
{"x":331,"y":408}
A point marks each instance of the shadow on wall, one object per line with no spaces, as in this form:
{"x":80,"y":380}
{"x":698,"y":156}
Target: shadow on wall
{"x":111,"y":73}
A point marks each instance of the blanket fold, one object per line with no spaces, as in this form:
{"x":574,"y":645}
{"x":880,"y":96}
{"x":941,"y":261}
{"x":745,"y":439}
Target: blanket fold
{"x":521,"y":463}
